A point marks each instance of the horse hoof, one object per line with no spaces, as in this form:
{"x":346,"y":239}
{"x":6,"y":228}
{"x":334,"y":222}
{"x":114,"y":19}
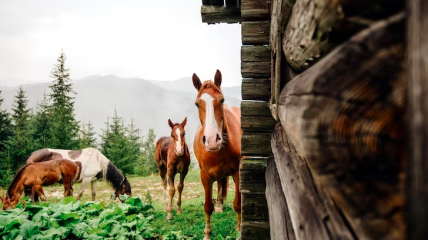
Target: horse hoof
{"x":207,"y":237}
{"x":169,"y":217}
{"x":219,"y":209}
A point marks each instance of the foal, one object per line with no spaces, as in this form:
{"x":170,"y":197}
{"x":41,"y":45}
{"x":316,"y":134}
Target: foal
{"x":33,"y":176}
{"x":217,"y":145}
{"x":172,"y":157}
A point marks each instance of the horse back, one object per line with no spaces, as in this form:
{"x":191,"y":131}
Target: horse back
{"x":42,"y":155}
{"x":162,"y":147}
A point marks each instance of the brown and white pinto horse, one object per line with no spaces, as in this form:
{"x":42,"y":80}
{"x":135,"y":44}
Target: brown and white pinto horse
{"x":217,"y":145}
{"x":33,"y":176}
{"x":94,"y":166}
{"x":172,"y":157}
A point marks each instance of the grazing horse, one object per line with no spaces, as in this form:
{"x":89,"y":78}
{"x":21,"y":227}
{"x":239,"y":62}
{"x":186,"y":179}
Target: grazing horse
{"x":94,"y":166}
{"x":217,"y":145}
{"x":33,"y":176}
{"x":172,"y":157}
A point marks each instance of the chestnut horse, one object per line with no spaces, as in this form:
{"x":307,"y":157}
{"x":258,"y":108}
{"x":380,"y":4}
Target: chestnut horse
{"x":94,"y":166}
{"x":217,"y":145}
{"x":172,"y":157}
{"x":33,"y":176}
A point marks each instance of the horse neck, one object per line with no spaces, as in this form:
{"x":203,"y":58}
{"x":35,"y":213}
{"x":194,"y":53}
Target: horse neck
{"x":17,"y":188}
{"x":114,"y":176}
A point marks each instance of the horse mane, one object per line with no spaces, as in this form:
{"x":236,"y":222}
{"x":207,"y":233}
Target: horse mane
{"x":100,"y":158}
{"x":114,"y":176}
{"x":15,"y":179}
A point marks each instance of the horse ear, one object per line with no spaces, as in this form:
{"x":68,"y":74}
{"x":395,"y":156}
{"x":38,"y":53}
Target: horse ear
{"x":170,"y":123}
{"x":184,"y":122}
{"x":217,"y":78}
{"x":196,"y":81}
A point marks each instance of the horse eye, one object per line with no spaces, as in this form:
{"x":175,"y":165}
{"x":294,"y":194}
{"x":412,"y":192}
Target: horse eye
{"x":197,"y":105}
{"x":222,"y":101}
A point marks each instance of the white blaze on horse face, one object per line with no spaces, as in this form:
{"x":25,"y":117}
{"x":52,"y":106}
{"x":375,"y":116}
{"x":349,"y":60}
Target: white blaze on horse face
{"x":178,"y":142}
{"x":211,"y":126}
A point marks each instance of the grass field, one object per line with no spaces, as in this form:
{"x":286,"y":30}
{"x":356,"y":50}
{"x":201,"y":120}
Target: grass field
{"x":191,"y":222}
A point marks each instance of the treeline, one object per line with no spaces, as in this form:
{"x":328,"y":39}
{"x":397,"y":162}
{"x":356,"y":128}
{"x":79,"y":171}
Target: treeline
{"x":52,"y":124}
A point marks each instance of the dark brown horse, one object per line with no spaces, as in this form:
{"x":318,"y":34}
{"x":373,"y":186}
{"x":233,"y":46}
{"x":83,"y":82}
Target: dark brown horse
{"x":217,"y":145}
{"x":33,"y":176}
{"x":172,"y":157}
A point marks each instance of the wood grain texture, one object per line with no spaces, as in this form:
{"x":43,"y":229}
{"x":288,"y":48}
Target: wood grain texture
{"x":254,"y":207}
{"x":255,"y":69}
{"x":256,"y":117}
{"x":256,"y":89}
{"x":279,"y":216}
{"x":253,"y":108}
{"x":255,"y":54}
{"x":345,"y":115}
{"x":220,"y":14}
{"x":252,"y":175}
{"x":316,"y":27}
{"x":255,"y":33}
{"x":417,"y":117}
{"x":255,"y":230}
{"x":312,"y":215}
{"x":255,"y":144}
{"x":281,"y":13}
{"x":255,"y":10}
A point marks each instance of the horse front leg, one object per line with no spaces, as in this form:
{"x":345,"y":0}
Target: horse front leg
{"x":82,"y":189}
{"x":171,"y":175}
{"x":180,"y":190}
{"x":209,"y":205}
{"x":39,"y":190}
{"x":222,"y":188}
{"x":237,"y":201}
{"x":94,"y":189}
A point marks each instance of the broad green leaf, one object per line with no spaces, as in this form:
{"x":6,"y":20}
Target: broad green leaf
{"x":123,"y":197}
{"x":80,"y":229}
{"x":131,"y":217}
{"x":29,"y":229}
{"x":67,"y":215}
{"x":32,"y":210}
{"x":67,"y":200}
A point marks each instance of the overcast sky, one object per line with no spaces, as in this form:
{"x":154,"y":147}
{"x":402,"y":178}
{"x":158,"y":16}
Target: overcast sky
{"x":153,"y":40}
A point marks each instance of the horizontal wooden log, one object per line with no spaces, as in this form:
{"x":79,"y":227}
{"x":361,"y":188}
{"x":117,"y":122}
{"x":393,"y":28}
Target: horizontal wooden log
{"x":257,"y":123}
{"x":316,"y":27}
{"x":255,"y":54}
{"x":252,"y":176}
{"x":279,"y":216}
{"x":221,"y":14}
{"x":254,"y":230}
{"x":255,"y":10}
{"x":255,"y":69}
{"x":253,"y":108}
{"x":254,"y":207}
{"x":213,"y":2}
{"x":348,"y":123}
{"x":255,"y":144}
{"x":255,"y":33}
{"x":256,"y":89}
{"x":311,"y":214}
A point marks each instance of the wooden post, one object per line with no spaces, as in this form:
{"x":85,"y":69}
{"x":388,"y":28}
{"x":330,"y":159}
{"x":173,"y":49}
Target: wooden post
{"x":417,"y":119}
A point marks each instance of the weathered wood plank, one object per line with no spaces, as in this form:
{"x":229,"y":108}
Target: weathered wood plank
{"x":281,"y":13}
{"x":257,"y":123}
{"x":213,"y":2}
{"x":255,"y":69}
{"x":279,"y":216}
{"x":252,"y":108}
{"x":255,"y":33}
{"x":255,"y":230}
{"x":348,"y":123}
{"x":256,"y":89}
{"x":221,"y":14}
{"x":312,"y":216}
{"x":417,"y":117}
{"x":254,"y":207}
{"x":252,"y":176}
{"x":255,"y":54}
{"x":255,"y":144}
{"x":316,"y":27}
{"x":255,"y":10}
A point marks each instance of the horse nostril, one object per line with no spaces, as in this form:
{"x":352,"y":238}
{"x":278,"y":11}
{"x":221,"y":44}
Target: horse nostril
{"x":203,"y":139}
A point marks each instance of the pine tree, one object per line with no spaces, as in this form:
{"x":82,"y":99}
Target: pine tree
{"x":148,"y":154}
{"x":20,"y":146}
{"x":87,"y":136}
{"x":134,"y":146}
{"x":6,"y":133}
{"x":65,"y":128}
{"x":41,"y":125}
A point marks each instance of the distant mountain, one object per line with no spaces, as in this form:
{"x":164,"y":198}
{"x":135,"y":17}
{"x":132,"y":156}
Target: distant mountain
{"x":186,"y":85}
{"x":149,"y":104}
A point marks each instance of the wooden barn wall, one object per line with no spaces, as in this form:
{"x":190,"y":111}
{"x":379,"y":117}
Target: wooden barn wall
{"x":337,"y":88}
